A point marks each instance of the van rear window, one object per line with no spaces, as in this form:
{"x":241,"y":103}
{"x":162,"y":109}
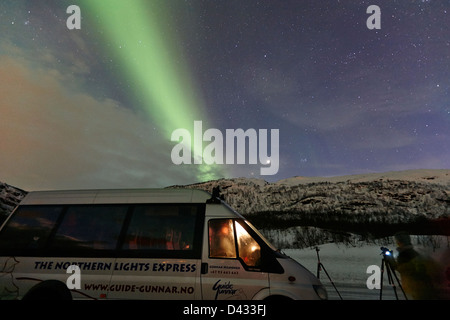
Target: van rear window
{"x":162,"y":228}
{"x":107,"y":230}
{"x":90,"y":227}
{"x":29,"y":228}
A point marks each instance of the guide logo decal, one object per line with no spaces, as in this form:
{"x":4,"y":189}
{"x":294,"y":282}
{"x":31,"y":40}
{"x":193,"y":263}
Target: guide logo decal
{"x":224,"y":289}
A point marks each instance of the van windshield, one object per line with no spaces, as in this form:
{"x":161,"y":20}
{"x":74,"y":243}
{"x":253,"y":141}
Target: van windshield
{"x":271,"y":246}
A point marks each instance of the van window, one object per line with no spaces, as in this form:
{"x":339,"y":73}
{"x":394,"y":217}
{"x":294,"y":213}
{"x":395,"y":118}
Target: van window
{"x":249,"y":249}
{"x":162,"y":228}
{"x":221,"y":239}
{"x":227,"y":235}
{"x":28,"y":228}
{"x":261,"y":236}
{"x":90,"y":227}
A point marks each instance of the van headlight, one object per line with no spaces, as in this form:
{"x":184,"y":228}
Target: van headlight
{"x":321,"y":292}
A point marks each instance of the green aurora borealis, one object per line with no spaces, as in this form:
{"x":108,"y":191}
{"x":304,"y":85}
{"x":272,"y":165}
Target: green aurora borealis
{"x":136,"y":36}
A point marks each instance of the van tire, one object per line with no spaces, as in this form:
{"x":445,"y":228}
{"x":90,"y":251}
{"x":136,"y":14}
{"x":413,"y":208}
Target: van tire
{"x":49,"y":290}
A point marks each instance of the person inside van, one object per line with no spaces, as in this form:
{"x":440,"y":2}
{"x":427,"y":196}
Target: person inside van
{"x":222,"y":239}
{"x":173,"y":237}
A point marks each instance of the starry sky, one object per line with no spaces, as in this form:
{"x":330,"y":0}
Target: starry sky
{"x":95,"y":107}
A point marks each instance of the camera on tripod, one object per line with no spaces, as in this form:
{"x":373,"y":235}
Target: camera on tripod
{"x":386,"y":263}
{"x":386,"y":252}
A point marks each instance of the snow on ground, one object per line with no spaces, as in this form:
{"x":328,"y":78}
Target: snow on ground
{"x":347,"y":267}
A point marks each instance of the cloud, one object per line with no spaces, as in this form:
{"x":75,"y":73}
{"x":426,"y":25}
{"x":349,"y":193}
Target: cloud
{"x":53,"y":135}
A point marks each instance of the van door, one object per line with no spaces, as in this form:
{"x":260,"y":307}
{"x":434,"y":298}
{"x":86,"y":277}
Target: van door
{"x":87,"y":237}
{"x":160,"y":253}
{"x":232,"y":265}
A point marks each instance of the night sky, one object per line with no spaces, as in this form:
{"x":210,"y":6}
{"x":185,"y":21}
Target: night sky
{"x":95,"y":107}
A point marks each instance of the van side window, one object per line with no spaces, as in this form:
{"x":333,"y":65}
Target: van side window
{"x":249,"y":249}
{"x":29,"y":228}
{"x":221,"y":239}
{"x":223,"y":236}
{"x":90,"y":227}
{"x":162,"y":227}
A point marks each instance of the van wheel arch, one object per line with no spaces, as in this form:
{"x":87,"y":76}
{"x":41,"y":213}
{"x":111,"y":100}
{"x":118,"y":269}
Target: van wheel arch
{"x":277,"y":298}
{"x":49,"y":290}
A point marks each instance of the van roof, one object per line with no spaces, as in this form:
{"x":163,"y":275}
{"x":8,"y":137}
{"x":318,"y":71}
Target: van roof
{"x":116,"y":196}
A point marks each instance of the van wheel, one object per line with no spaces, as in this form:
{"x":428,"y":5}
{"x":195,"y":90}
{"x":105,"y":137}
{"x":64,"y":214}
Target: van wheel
{"x":49,"y":290}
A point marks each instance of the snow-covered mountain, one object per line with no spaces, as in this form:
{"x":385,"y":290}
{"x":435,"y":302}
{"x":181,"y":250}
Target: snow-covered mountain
{"x":388,"y":198}
{"x":441,"y":177}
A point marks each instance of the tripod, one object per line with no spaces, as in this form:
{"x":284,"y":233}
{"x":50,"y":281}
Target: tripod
{"x":390,"y":273}
{"x":320,"y":266}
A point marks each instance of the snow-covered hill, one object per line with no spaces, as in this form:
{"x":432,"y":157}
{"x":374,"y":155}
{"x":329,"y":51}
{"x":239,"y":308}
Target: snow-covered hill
{"x":388,"y":198}
{"x":441,"y":177}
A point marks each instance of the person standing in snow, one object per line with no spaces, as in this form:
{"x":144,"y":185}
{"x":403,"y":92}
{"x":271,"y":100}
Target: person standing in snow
{"x":416,"y":272}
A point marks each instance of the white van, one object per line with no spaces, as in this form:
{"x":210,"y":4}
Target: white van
{"x":142,"y":244}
